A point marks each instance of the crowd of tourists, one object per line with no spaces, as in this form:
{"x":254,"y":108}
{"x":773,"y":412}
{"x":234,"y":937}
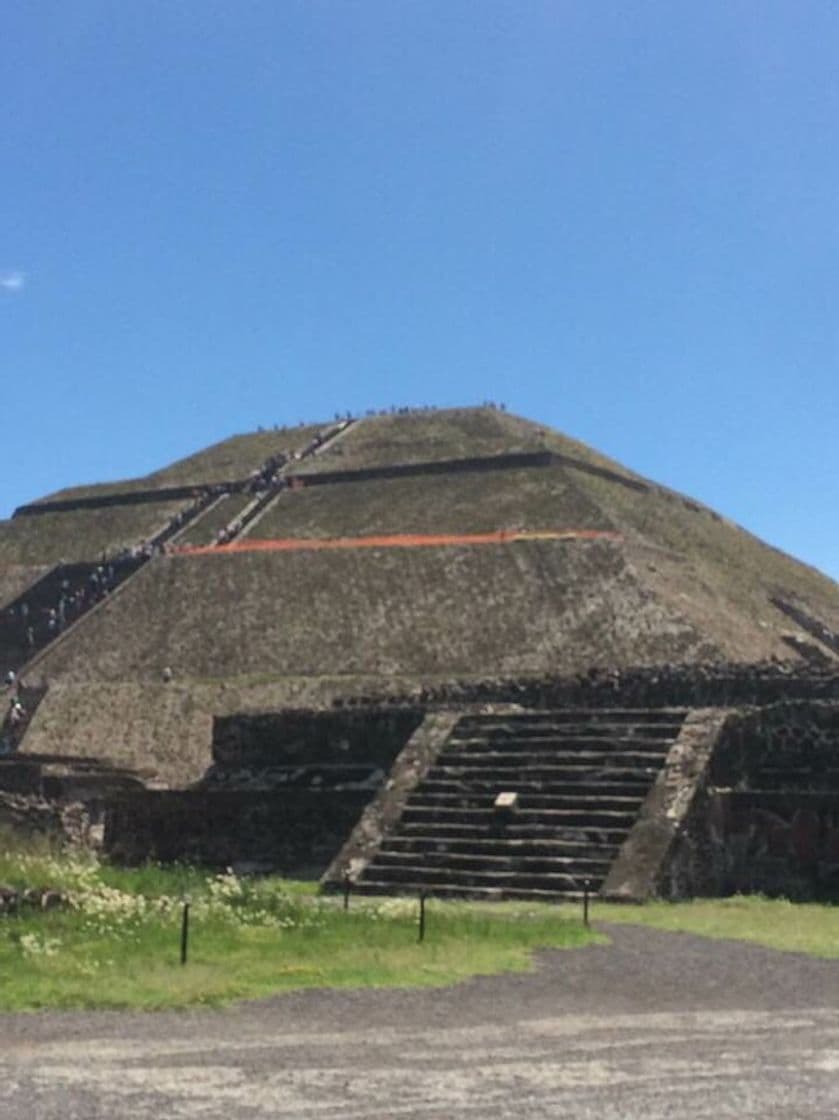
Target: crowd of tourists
{"x":423,"y":410}
{"x":79,"y":587}
{"x":75,"y":593}
{"x":268,"y":479}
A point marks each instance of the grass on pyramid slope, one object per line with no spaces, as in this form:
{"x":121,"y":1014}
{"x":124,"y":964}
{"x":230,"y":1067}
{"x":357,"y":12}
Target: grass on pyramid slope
{"x":453,"y":433}
{"x":227,"y":461}
{"x":236,"y":457}
{"x":83,"y":534}
{"x":535,"y":498}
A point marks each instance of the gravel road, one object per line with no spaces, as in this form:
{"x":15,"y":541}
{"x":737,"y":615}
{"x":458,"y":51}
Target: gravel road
{"x":653,"y":1025}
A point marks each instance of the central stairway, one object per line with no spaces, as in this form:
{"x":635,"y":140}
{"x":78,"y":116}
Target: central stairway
{"x":580,"y":777}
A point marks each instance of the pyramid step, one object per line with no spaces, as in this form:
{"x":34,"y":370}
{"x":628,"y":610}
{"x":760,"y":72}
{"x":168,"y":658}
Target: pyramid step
{"x":412,"y":888}
{"x":559,"y":818}
{"x":550,"y":743}
{"x":427,"y":828}
{"x":574,"y":775}
{"x":483,"y":800}
{"x":586,"y":867}
{"x":558,"y":733}
{"x":478,"y":845}
{"x":558,"y":756}
{"x":434,"y":876}
{"x":675,"y":716}
{"x":478,"y":784}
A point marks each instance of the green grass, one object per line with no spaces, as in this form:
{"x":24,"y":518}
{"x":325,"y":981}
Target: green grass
{"x":118,"y":943}
{"x":777,"y":923}
{"x":118,"y":946}
{"x":82,"y":534}
{"x":535,"y":498}
{"x":227,"y":461}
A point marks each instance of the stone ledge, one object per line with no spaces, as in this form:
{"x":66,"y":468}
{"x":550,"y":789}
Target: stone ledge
{"x":639,"y":867}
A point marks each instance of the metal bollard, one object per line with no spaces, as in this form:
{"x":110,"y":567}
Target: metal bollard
{"x":421,"y":932}
{"x":347,"y":888}
{"x":185,"y":933}
{"x":586,"y":888}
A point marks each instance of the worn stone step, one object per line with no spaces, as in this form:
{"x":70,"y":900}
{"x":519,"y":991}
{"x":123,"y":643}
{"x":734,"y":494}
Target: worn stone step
{"x":595,"y":734}
{"x":576,"y":715}
{"x":549,"y":775}
{"x":412,"y":889}
{"x":469,"y":783}
{"x":477,"y":845}
{"x":479,"y":800}
{"x":473,"y":756}
{"x":587,"y":867}
{"x":516,"y":880}
{"x":594,"y":740}
{"x":490,"y":828}
{"x":559,"y":818}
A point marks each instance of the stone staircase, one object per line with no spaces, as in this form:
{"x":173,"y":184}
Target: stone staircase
{"x":25,"y":625}
{"x":580,"y":777}
{"x":25,"y":628}
{"x":278,"y":481}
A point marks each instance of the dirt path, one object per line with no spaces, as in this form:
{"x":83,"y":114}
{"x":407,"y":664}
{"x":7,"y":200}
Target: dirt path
{"x":654,"y":1025}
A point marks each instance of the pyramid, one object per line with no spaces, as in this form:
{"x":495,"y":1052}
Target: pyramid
{"x":392,"y":552}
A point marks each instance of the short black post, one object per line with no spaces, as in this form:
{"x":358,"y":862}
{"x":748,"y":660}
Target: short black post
{"x":586,"y":887}
{"x":347,"y":888}
{"x":185,"y":933}
{"x":421,"y":934}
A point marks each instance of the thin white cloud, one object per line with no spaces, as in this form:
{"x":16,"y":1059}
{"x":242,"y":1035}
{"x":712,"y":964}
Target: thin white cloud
{"x":12,"y":281}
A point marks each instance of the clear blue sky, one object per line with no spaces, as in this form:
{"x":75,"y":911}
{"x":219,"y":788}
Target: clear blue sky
{"x":620,"y":219}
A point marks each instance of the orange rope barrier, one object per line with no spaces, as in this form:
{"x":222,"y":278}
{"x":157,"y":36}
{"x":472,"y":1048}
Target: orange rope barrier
{"x":397,"y":540}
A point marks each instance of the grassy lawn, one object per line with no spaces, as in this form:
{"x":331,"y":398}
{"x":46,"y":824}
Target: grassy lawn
{"x":776,"y":923}
{"x":116,"y":941}
{"x":117,"y":944}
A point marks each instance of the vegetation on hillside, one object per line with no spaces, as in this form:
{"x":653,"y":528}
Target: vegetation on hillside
{"x":528,"y":498}
{"x":450,"y":433}
{"x":227,"y":461}
{"x":83,"y":534}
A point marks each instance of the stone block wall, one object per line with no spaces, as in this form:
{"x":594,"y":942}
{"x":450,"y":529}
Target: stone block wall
{"x":283,"y":794}
{"x":793,"y":745}
{"x":711,"y":685}
{"x":784,"y":843}
{"x":766,"y":816}
{"x":287,"y":833}
{"x":331,"y":749}
{"x":646,"y":864}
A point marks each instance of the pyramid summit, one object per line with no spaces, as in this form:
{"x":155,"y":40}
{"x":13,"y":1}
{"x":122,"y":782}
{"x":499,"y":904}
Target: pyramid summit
{"x":388,"y":554}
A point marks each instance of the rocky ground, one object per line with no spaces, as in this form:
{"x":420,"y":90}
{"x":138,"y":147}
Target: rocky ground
{"x":652,"y":1025}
